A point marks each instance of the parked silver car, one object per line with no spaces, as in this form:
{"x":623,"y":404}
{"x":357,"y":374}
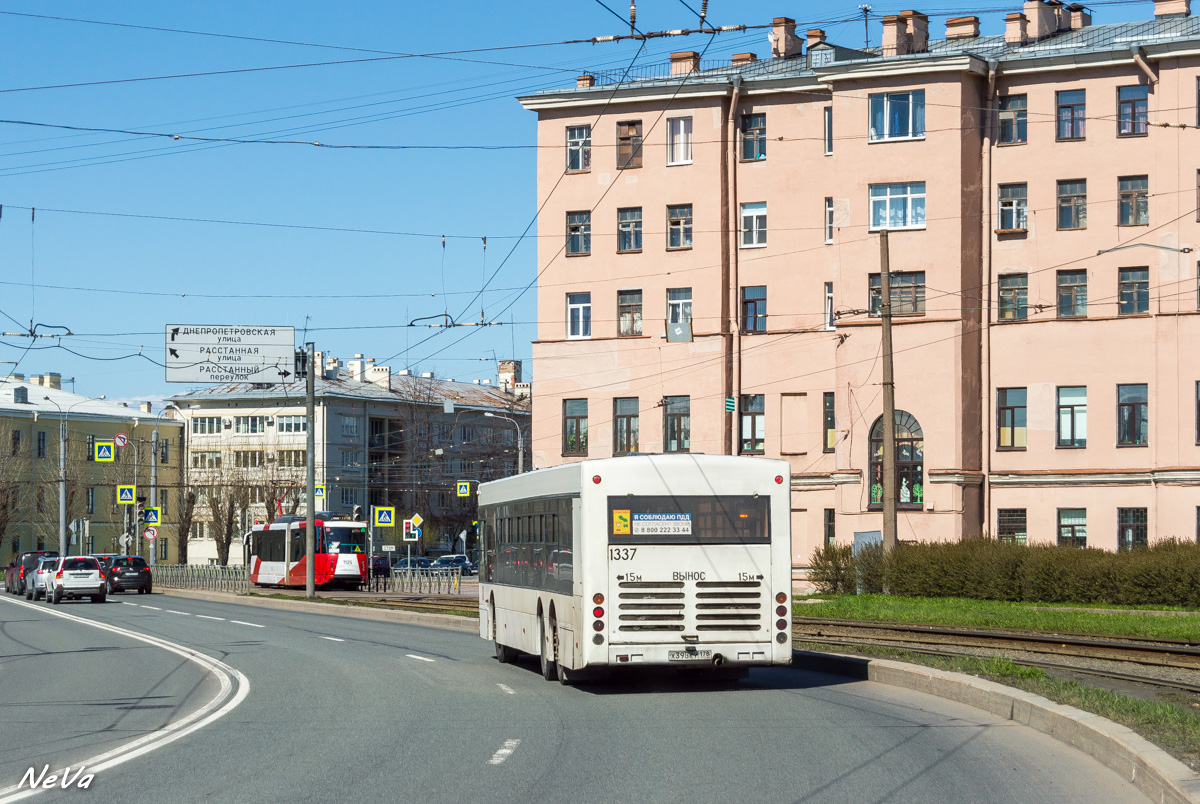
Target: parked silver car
{"x":76,"y":577}
{"x":35,"y":584}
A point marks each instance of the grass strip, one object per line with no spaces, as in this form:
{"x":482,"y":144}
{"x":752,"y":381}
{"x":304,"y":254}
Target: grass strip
{"x":1170,"y":726}
{"x":963,"y":612}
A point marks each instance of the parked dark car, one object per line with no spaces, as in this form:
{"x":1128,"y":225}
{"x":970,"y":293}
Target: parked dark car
{"x":14,"y":576}
{"x":418,"y":562}
{"x":381,"y":567}
{"x":457,"y":561}
{"x":130,"y":572}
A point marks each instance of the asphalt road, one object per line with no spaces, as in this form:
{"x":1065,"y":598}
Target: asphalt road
{"x":347,"y":709}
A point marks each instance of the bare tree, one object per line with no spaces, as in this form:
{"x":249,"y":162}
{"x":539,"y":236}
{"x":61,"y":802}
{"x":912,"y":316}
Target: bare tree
{"x":224,"y":495}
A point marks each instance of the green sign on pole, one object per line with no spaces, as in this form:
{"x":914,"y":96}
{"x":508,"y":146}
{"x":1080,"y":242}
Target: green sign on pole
{"x":730,"y":404}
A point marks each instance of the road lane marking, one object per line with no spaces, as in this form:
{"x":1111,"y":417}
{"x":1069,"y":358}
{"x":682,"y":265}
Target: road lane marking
{"x":124,"y":603}
{"x":253,"y":625}
{"x":234,"y":689}
{"x":206,"y":617}
{"x":505,"y":752}
{"x":418,"y":658}
{"x":156,"y":608}
{"x":184,"y":613}
{"x":506,"y":688}
{"x":333,"y":639}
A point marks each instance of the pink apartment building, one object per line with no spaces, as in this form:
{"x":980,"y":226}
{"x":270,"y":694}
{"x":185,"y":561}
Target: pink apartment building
{"x":715,"y":286}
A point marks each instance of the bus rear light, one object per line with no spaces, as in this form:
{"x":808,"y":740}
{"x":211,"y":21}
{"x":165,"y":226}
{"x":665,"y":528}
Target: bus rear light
{"x":598,"y":626}
{"x":597,"y":598}
{"x":781,"y":624}
{"x":779,"y":479}
{"x":781,"y":597}
{"x":598,"y":639}
{"x":781,"y":637}
{"x":598,"y":612}
{"x":596,"y":479}
{"x":624,"y":658}
{"x":781,"y":611}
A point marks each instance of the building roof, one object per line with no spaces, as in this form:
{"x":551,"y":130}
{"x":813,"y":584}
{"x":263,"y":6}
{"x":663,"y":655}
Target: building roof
{"x":1092,"y":39}
{"x":405,"y":388}
{"x":75,"y":406}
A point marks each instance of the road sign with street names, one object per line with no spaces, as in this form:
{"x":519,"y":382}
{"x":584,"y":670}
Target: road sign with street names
{"x":464,"y":488}
{"x":153,"y":515}
{"x":384,"y":517}
{"x":151,"y":533}
{"x":217,"y":353}
{"x":103,"y":451}
{"x":126,"y":495}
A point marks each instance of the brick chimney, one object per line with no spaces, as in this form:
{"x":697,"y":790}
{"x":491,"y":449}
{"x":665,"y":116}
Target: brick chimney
{"x":1016,"y":28}
{"x":917,"y":25}
{"x":895,"y":35}
{"x":1079,"y":16}
{"x":744,"y":58}
{"x":815,"y":37}
{"x":1043,"y":18}
{"x":685,"y":62}
{"x":784,"y":42}
{"x":585,"y":81}
{"x":510,"y":374}
{"x":962,"y":28}
{"x":146,"y":407}
{"x":1165,"y":9}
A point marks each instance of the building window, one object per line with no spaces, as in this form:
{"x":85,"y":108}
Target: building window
{"x":629,"y":229}
{"x":754,"y":225}
{"x":291,"y":424}
{"x":292,"y":458}
{"x":164,"y":501}
{"x":828,"y":423}
{"x":679,"y":305}
{"x":830,"y":531}
{"x":1133,"y":201}
{"x":351,"y":458}
{"x":679,"y":141}
{"x":677,"y":423}
{"x":206,"y":425}
{"x":629,"y":313}
{"x":575,"y":426}
{"x":349,"y":497}
{"x":164,"y":451}
{"x":910,"y":462}
{"x":1133,"y":291}
{"x":629,"y":144}
{"x":1072,"y":527}
{"x":898,"y":115}
{"x":1010,"y":418}
{"x":350,"y":426}
{"x":830,"y":317}
{"x":754,"y":136}
{"x":828,"y":220}
{"x":1072,"y":204}
{"x":579,"y":233}
{"x":579,"y":315}
{"x":754,"y":309}
{"x":828,"y":130}
{"x":1072,"y":294}
{"x":248,"y":459}
{"x":625,"y":425}
{"x":898,"y":206}
{"x":1133,"y":426}
{"x":1132,"y":111}
{"x":1072,"y":417}
{"x":206,"y":460}
{"x":907,"y":292}
{"x":249,"y":425}
{"x":41,"y":444}
{"x":1013,"y":126}
{"x":1011,"y":525}
{"x":1014,"y":206}
{"x":1014,"y":297}
{"x":163,"y":551}
{"x":91,"y":500}
{"x":579,"y":148}
{"x":679,"y":226}
{"x":90,"y":448}
{"x":1072,"y":114}
{"x":1131,"y":529}
{"x":753,"y":424}
{"x":40,"y":500}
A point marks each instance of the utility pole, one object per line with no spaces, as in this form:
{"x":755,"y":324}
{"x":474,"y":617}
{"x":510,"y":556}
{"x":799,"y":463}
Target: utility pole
{"x":63,"y":545}
{"x":866,"y":10}
{"x":310,"y":480}
{"x":154,"y":489}
{"x":889,"y":400}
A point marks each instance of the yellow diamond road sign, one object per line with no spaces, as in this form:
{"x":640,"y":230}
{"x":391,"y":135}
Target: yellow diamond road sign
{"x":417,"y":520}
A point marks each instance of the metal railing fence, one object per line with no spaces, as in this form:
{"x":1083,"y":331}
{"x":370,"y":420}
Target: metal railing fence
{"x":201,"y":576}
{"x":419,"y":580}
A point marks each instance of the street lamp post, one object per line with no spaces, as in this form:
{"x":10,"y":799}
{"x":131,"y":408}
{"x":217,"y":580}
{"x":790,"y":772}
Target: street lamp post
{"x":520,"y":439}
{"x":64,"y":415}
{"x":154,"y":473}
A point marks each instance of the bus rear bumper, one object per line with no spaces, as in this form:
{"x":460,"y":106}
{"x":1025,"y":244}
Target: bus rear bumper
{"x":706,"y":656}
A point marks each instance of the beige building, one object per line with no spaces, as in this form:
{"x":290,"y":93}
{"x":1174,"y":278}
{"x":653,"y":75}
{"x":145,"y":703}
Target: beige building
{"x":33,"y":414}
{"x":717,"y":276}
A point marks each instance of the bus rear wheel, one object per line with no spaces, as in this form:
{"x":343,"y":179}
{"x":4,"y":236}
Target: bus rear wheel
{"x":549,"y":667}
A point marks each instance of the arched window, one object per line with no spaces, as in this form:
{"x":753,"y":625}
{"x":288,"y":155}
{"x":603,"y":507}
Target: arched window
{"x":910,"y":462}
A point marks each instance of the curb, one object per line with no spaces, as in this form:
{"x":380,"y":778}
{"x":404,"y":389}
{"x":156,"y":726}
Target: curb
{"x":447,"y":621}
{"x":1152,"y":770}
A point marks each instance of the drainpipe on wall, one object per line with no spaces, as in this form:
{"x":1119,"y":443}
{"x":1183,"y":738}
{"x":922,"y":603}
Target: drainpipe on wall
{"x":985,"y":378}
{"x":1139,"y":58}
{"x":733,"y":383}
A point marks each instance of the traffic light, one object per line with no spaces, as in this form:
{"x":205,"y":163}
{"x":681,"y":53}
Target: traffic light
{"x":358,"y":513}
{"x":301,"y":364}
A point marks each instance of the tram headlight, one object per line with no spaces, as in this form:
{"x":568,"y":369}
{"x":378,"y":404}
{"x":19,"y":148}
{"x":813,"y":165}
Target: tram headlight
{"x":781,"y":637}
{"x":598,"y":639}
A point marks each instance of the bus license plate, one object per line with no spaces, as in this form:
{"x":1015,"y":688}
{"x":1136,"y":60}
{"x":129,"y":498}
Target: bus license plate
{"x":688,"y":655}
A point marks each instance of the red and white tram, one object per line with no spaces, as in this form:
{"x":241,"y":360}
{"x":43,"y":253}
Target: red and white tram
{"x":340,"y":552}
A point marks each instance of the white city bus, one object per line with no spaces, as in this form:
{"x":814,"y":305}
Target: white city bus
{"x":671,"y":560}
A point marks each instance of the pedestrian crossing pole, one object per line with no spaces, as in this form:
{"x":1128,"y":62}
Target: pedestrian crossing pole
{"x":310,"y":480}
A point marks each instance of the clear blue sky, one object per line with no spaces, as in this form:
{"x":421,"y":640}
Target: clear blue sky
{"x":240,"y":274}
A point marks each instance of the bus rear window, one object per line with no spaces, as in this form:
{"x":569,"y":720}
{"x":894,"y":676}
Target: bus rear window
{"x":689,"y":520}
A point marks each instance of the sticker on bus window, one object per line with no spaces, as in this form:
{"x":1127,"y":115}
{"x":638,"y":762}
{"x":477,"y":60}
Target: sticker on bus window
{"x":621,"y":523}
{"x":662,"y":524}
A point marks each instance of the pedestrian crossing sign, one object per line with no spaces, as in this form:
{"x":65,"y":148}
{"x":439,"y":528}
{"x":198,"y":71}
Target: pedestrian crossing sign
{"x":153,"y":515}
{"x":126,"y":494}
{"x":318,"y":492}
{"x":385,"y":517}
{"x":103,"y":451}
{"x":464,"y":488}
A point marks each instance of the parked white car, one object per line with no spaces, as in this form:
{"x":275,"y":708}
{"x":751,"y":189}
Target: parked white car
{"x":35,"y":585}
{"x":76,"y":577}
